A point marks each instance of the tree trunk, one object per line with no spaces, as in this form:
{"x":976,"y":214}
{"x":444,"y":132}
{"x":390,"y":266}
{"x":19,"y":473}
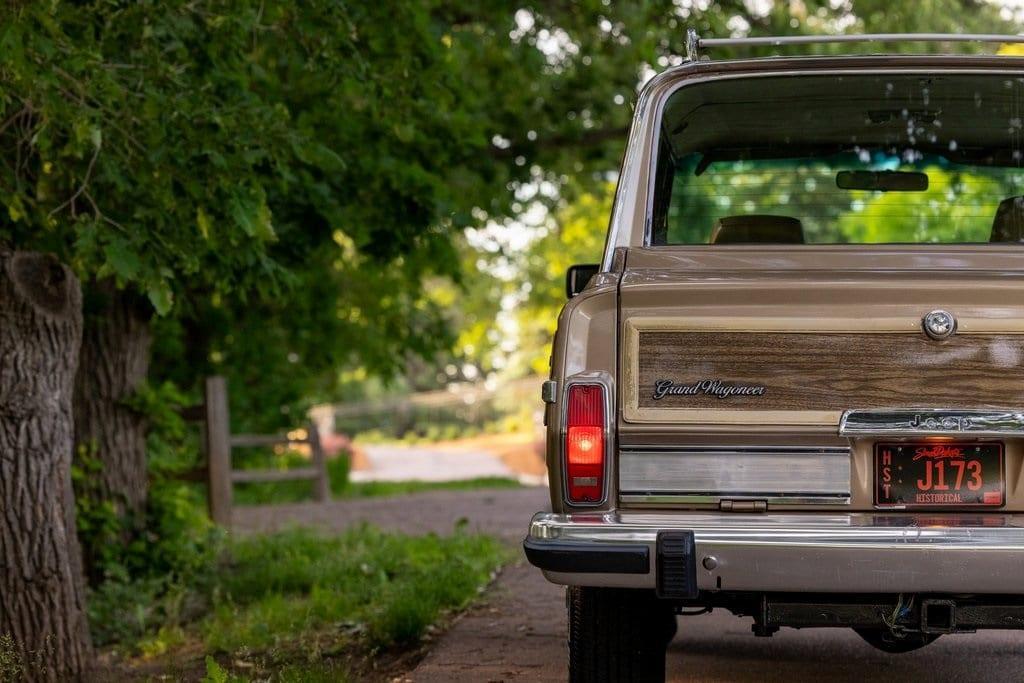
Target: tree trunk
{"x":42,"y":602}
{"x":113,"y":365}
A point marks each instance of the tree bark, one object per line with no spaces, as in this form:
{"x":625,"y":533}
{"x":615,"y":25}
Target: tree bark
{"x":42,"y":601}
{"x":114,"y":362}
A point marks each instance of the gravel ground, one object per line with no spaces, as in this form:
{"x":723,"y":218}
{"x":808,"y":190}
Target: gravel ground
{"x":500,"y":512}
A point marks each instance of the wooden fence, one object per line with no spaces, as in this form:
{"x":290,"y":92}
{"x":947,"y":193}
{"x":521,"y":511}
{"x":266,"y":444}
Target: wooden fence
{"x":219,"y":442}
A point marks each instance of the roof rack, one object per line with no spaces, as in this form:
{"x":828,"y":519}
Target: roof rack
{"x":694,"y":43}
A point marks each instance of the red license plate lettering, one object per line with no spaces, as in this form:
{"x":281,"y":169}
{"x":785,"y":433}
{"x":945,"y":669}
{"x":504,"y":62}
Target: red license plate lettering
{"x":938,"y":474}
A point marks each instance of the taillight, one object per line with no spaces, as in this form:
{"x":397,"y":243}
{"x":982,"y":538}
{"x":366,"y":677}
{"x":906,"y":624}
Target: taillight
{"x":584,"y":443}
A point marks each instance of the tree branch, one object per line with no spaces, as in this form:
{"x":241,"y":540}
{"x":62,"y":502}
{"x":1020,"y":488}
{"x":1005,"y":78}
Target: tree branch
{"x":81,"y":189}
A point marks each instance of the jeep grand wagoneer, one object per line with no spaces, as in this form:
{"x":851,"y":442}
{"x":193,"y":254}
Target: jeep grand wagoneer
{"x":794,"y":387}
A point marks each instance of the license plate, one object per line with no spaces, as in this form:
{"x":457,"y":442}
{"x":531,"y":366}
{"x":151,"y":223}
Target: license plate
{"x":939,"y":474}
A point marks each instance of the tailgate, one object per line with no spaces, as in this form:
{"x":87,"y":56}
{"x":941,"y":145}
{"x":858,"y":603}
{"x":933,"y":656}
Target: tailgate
{"x":735,"y":375}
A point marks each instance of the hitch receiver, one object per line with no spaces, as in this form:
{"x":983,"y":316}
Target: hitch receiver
{"x":938,"y":616}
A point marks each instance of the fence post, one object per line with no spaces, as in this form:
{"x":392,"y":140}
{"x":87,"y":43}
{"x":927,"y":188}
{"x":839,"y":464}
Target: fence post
{"x":322,"y":484}
{"x":218,"y":450}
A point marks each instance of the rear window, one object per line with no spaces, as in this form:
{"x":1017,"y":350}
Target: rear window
{"x":874,"y":159}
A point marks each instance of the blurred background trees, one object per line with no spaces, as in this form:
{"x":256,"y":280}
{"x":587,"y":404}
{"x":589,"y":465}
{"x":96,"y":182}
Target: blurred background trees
{"x":316,"y":199}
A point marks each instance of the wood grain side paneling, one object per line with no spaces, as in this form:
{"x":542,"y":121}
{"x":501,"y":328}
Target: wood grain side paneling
{"x":820,"y":374}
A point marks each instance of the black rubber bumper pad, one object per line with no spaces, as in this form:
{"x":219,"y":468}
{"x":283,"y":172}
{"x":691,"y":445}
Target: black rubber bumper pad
{"x":677,"y":565}
{"x":587,"y":558}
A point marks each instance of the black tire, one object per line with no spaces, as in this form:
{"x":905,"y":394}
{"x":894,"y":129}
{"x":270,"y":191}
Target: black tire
{"x":886,"y":641}
{"x":618,"y":634}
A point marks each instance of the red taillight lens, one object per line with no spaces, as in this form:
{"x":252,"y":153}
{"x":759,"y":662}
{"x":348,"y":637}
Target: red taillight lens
{"x":584,"y":443}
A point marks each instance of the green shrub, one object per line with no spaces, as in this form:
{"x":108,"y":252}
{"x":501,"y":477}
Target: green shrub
{"x":154,"y":570}
{"x":215,"y":674}
{"x":161,"y":577}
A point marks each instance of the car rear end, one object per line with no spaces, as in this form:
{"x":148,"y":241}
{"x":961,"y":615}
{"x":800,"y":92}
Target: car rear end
{"x":795,"y":389}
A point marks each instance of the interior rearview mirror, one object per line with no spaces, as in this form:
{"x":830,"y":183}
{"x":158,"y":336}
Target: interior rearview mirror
{"x":578,"y":276}
{"x":882,"y":181}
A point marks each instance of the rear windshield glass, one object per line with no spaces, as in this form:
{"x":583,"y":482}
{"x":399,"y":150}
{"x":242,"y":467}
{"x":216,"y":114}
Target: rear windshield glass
{"x":834,"y":160}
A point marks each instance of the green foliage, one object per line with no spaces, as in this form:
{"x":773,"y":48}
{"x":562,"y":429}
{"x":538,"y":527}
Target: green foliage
{"x":145,"y":573}
{"x":384,"y":588}
{"x":214,"y":673}
{"x":282,"y":178}
{"x":129,"y":123}
{"x":575,"y":236}
{"x":316,"y":672}
{"x":152,"y":580}
{"x":579,"y":104}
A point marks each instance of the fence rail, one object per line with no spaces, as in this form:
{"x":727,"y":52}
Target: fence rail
{"x":219,"y":442}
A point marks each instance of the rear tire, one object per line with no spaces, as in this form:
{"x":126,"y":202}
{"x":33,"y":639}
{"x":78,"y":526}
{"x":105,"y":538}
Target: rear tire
{"x":886,"y":641}
{"x":618,"y":634}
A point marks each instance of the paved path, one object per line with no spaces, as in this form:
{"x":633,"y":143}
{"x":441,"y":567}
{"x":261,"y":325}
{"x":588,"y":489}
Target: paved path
{"x":410,"y":463}
{"x":517,"y":632}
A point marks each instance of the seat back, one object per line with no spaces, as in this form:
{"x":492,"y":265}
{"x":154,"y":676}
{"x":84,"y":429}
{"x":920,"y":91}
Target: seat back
{"x":1008,"y":224}
{"x":757,"y":229}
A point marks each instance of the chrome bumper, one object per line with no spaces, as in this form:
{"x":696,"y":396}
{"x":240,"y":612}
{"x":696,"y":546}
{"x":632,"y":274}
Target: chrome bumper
{"x":786,"y":552}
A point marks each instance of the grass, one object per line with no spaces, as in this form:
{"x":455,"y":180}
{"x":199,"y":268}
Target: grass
{"x":299,"y":605}
{"x":388,"y":587}
{"x":368,"y":489}
{"x":264,"y":493}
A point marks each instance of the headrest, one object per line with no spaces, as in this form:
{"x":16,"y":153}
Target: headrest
{"x":757,"y":230}
{"x":1008,"y":225}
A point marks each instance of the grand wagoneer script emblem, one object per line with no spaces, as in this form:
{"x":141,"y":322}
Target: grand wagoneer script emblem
{"x":709,"y":387}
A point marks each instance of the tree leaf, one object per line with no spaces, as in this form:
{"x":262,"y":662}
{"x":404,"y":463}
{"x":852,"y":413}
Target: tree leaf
{"x":161,"y":297}
{"x":252,"y":214}
{"x":204,"y":223}
{"x":122,"y":259}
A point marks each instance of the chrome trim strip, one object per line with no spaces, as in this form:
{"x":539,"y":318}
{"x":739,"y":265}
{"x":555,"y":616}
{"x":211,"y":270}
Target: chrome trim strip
{"x":848,"y":553}
{"x":675,"y":498}
{"x":778,"y":41}
{"x":834,"y":450}
{"x":706,"y":475}
{"x":931,"y":422}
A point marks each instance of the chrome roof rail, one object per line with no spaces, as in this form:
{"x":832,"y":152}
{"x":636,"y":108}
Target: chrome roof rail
{"x":694,"y":43}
